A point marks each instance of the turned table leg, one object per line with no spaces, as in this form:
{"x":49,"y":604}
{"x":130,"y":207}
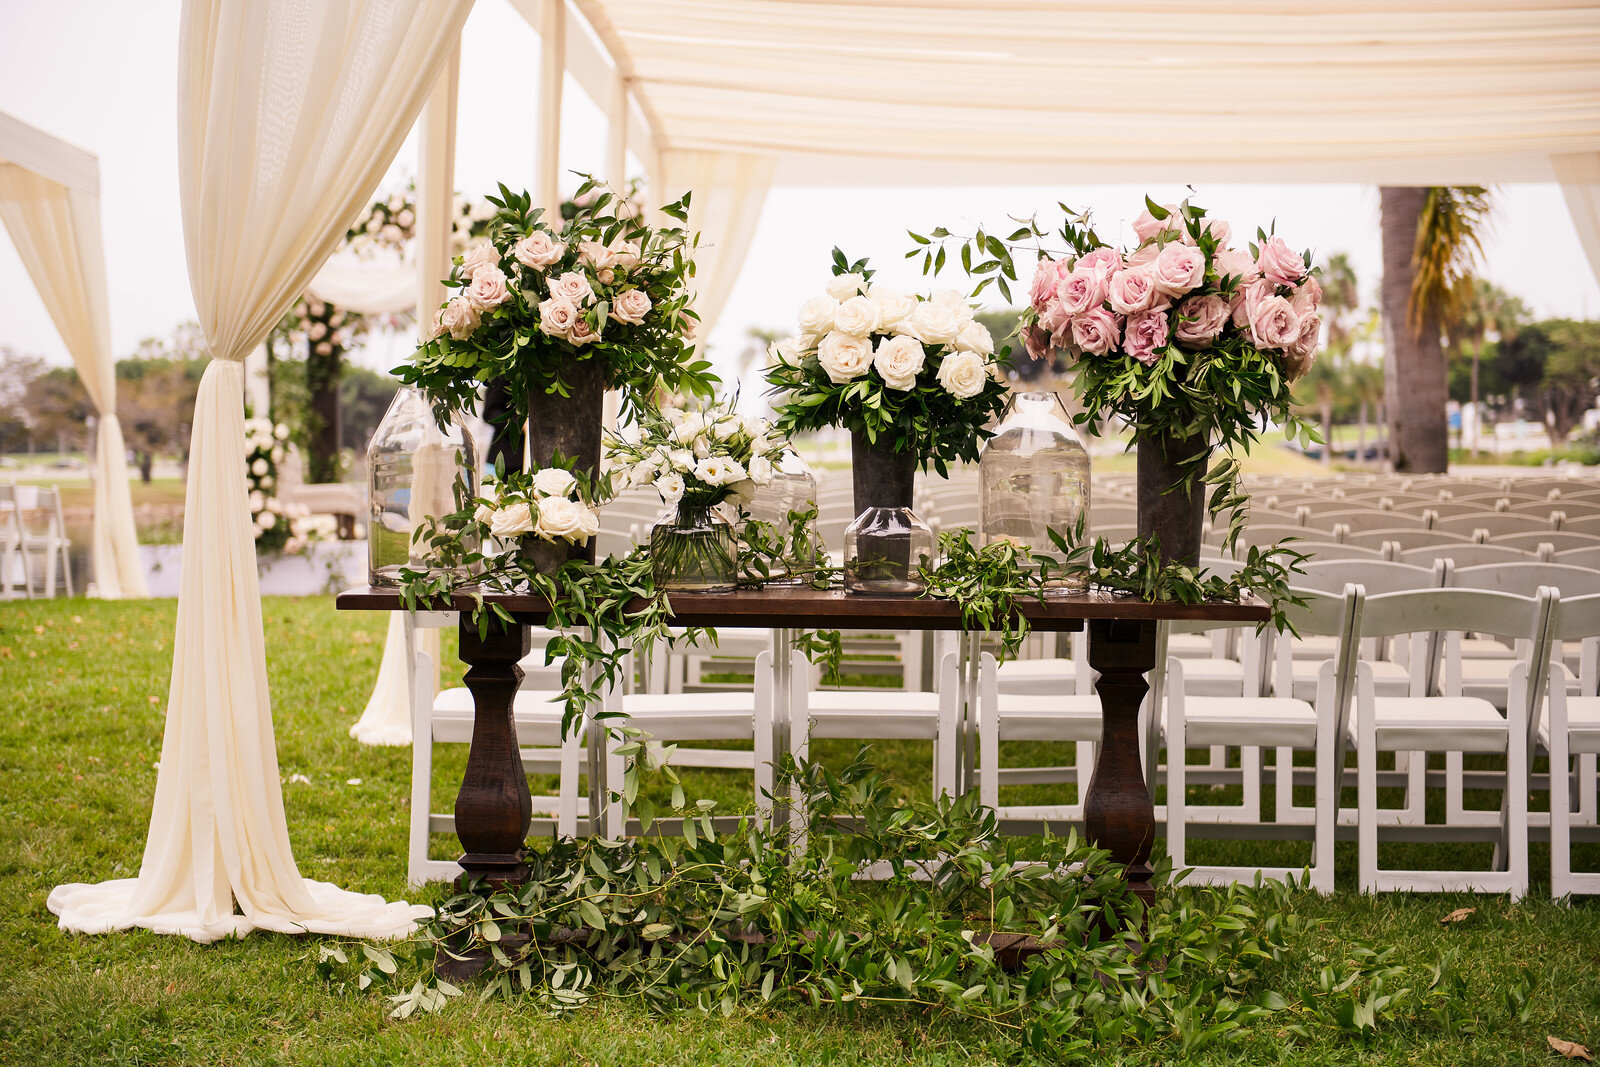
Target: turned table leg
{"x":493,"y":809}
{"x":1117,"y":812}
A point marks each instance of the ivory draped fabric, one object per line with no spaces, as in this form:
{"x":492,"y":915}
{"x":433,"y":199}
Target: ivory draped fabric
{"x":289,"y":114}
{"x":56,"y":230}
{"x":1579,"y":176}
{"x":383,"y":283}
{"x":1005,"y":92}
{"x":729,"y":189}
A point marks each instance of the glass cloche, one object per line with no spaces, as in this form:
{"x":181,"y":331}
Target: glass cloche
{"x":884,"y":550}
{"x":413,"y":471}
{"x":1034,"y":476}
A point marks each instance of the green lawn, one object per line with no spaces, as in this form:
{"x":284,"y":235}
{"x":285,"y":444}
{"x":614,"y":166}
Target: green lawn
{"x":85,"y":684}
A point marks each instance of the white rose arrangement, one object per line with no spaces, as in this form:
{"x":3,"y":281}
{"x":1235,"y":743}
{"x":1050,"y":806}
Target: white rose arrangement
{"x":550,"y":503}
{"x":879,"y":360}
{"x":276,"y":526}
{"x":698,"y":457}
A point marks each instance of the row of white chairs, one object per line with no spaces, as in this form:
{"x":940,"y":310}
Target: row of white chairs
{"x":33,"y":541}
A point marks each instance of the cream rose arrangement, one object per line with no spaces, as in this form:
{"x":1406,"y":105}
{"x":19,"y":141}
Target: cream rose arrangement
{"x":551,"y":503}
{"x":879,"y":360}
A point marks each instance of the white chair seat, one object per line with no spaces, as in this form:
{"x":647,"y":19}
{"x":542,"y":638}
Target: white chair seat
{"x":1049,"y":718}
{"x":1213,"y":677}
{"x":1038,"y":677}
{"x":1263,"y":721}
{"x":887,"y":715}
{"x":1583,"y":724}
{"x":537,"y":713}
{"x":1414,"y":724}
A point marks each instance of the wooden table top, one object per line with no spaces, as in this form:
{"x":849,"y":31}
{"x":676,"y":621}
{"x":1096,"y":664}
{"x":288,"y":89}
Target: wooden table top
{"x":805,"y":607}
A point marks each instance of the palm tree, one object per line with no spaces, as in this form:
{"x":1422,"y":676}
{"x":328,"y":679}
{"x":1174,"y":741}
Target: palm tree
{"x":1341,"y":297}
{"x":1492,"y":314}
{"x":1432,"y":236}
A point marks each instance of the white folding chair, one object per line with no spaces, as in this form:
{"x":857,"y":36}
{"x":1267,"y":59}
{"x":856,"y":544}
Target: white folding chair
{"x":48,"y":541}
{"x":1569,"y":728}
{"x":1450,"y":723}
{"x":13,"y":560}
{"x":1283,"y":723}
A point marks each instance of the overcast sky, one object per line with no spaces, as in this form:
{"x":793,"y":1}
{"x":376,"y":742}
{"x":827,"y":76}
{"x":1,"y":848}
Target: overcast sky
{"x":100,"y":73}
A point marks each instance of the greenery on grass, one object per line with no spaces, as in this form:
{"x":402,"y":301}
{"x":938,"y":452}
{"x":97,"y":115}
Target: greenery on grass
{"x":77,"y":754}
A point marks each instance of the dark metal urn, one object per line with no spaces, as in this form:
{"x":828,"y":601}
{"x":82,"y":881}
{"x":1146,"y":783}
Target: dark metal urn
{"x":1166,"y":508}
{"x":569,"y":425}
{"x":883,"y":478}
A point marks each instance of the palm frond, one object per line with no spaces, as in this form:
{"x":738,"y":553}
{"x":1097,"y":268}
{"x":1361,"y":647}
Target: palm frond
{"x":1449,"y":245}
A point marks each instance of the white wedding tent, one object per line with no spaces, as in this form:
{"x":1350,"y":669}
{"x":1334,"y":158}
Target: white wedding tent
{"x":50,"y":204}
{"x":290,"y":114}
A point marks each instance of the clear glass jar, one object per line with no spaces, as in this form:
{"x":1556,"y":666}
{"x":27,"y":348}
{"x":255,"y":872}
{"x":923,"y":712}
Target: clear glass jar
{"x":884,"y":550}
{"x":793,"y":488}
{"x":693,"y":550}
{"x":415,"y":469}
{"x":1033,"y":476}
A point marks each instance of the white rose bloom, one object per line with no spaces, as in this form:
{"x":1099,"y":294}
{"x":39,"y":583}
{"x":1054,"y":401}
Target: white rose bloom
{"x":281,"y":432}
{"x":670,"y":486}
{"x":257,"y":500}
{"x":934,"y":323}
{"x":317,"y":331}
{"x":484,"y":513}
{"x":963,"y":374}
{"x":266,"y":520}
{"x":761,"y":470}
{"x":396,"y":202}
{"x":843,"y":286}
{"x":560,"y":518}
{"x":278,"y":454}
{"x":553,"y":481}
{"x":816,"y":315}
{"x":857,"y":316}
{"x":965,"y":316}
{"x":950,"y":298}
{"x":589,"y":523}
{"x":893,"y":305}
{"x":511,"y":520}
{"x":259,"y":467}
{"x":844,"y":358}
{"x":898,"y":360}
{"x":692,"y":426}
{"x":266,"y":483}
{"x":974,"y":337}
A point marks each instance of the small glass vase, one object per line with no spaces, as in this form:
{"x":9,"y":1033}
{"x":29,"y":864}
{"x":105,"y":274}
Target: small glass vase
{"x":693,"y":550}
{"x":1033,"y":477}
{"x":793,"y":489}
{"x":415,"y":470}
{"x":884,"y":551}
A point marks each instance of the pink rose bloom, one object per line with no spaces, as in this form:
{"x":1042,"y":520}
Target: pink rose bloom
{"x":1218,"y":229}
{"x":1082,"y":290}
{"x":574,"y":287}
{"x":556,"y":316}
{"x":1132,"y":290}
{"x":1246,"y":298}
{"x":538,"y":250}
{"x":1058,"y":321}
{"x":1103,"y":261}
{"x":1280,"y":263}
{"x":1232,"y":263}
{"x":1147,"y":225}
{"x":1178,"y":269}
{"x":1144,"y":334}
{"x":1037,"y":341}
{"x":1096,"y":331}
{"x":1310,"y":338}
{"x":1308,"y":296}
{"x":630,"y":307}
{"x":458,"y":318}
{"x":625,"y":256}
{"x":581,"y":333}
{"x":479,"y":257}
{"x":1046,"y":278}
{"x":488,"y":289}
{"x":1200,"y":320}
{"x":1273,"y":324}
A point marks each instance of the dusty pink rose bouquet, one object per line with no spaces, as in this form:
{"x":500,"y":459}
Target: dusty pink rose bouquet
{"x":1182,"y":289}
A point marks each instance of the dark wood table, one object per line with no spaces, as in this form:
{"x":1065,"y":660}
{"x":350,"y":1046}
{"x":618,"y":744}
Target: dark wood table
{"x":493,"y":809}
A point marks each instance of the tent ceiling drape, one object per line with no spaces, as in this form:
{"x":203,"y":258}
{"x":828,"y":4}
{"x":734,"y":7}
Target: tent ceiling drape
{"x":1386,"y":91}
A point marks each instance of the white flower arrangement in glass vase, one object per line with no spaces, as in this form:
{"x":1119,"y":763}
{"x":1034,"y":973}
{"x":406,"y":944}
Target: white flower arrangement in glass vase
{"x":696,"y":459}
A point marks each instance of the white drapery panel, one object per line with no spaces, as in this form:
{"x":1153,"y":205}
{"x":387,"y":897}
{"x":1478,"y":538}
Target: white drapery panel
{"x":56,"y":230}
{"x":289,"y":114}
{"x":729,"y":190}
{"x":382,"y":282}
{"x":1579,"y":176}
{"x":1405,"y":91}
